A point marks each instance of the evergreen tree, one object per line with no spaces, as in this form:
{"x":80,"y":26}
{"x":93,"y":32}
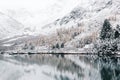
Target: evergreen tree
{"x":31,"y":47}
{"x":57,"y":46}
{"x":117,"y":32}
{"x":25,"y":47}
{"x":53,"y":47}
{"x":106,"y":32}
{"x":62,"y":45}
{"x":118,"y":28}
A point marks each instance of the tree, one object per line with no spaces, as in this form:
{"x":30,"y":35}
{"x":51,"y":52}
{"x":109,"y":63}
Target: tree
{"x":25,"y":47}
{"x":118,"y":28}
{"x":117,"y":32}
{"x":31,"y":47}
{"x":62,"y":45}
{"x":106,"y":47}
{"x":53,"y":47}
{"x":106,"y":32}
{"x":57,"y":46}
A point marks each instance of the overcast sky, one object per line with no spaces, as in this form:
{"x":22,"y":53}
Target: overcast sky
{"x":35,"y":4}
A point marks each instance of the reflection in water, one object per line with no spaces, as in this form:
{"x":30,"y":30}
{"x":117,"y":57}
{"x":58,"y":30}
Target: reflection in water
{"x":110,"y":68}
{"x":52,"y":67}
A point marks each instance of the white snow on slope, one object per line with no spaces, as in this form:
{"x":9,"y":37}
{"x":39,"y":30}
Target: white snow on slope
{"x":9,"y":27}
{"x":34,"y":14}
{"x":90,"y":13}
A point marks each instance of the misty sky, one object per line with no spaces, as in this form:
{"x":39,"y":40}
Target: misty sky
{"x":34,"y":4}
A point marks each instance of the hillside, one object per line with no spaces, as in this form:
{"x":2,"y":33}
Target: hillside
{"x":82,"y":25}
{"x":9,"y":27}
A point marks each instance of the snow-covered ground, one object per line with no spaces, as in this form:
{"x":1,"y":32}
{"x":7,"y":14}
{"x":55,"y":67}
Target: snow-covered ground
{"x":9,"y":27}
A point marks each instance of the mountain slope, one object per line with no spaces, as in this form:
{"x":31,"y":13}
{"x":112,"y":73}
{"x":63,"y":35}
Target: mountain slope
{"x":90,"y":14}
{"x":83,"y":24}
{"x":40,"y":13}
{"x":9,"y":27}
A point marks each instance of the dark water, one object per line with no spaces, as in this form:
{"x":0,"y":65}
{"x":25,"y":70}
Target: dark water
{"x":110,"y":68}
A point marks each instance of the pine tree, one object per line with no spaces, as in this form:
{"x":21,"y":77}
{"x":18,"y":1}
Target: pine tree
{"x":117,"y":32}
{"x":62,"y":45}
{"x":25,"y":47}
{"x":31,"y":47}
{"x":106,"y":32}
{"x":53,"y":47}
{"x":57,"y":46}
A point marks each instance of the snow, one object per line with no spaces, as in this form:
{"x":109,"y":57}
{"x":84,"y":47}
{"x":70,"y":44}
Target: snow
{"x":35,"y":14}
{"x":14,"y":38}
{"x":92,"y":16}
{"x":6,"y":44}
{"x":9,"y":27}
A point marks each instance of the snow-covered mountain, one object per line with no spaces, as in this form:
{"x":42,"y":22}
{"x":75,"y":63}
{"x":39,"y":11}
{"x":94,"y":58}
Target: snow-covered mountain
{"x":84,"y":21}
{"x":38,"y":15}
{"x":90,"y":14}
{"x":9,"y":27}
{"x":87,"y":13}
